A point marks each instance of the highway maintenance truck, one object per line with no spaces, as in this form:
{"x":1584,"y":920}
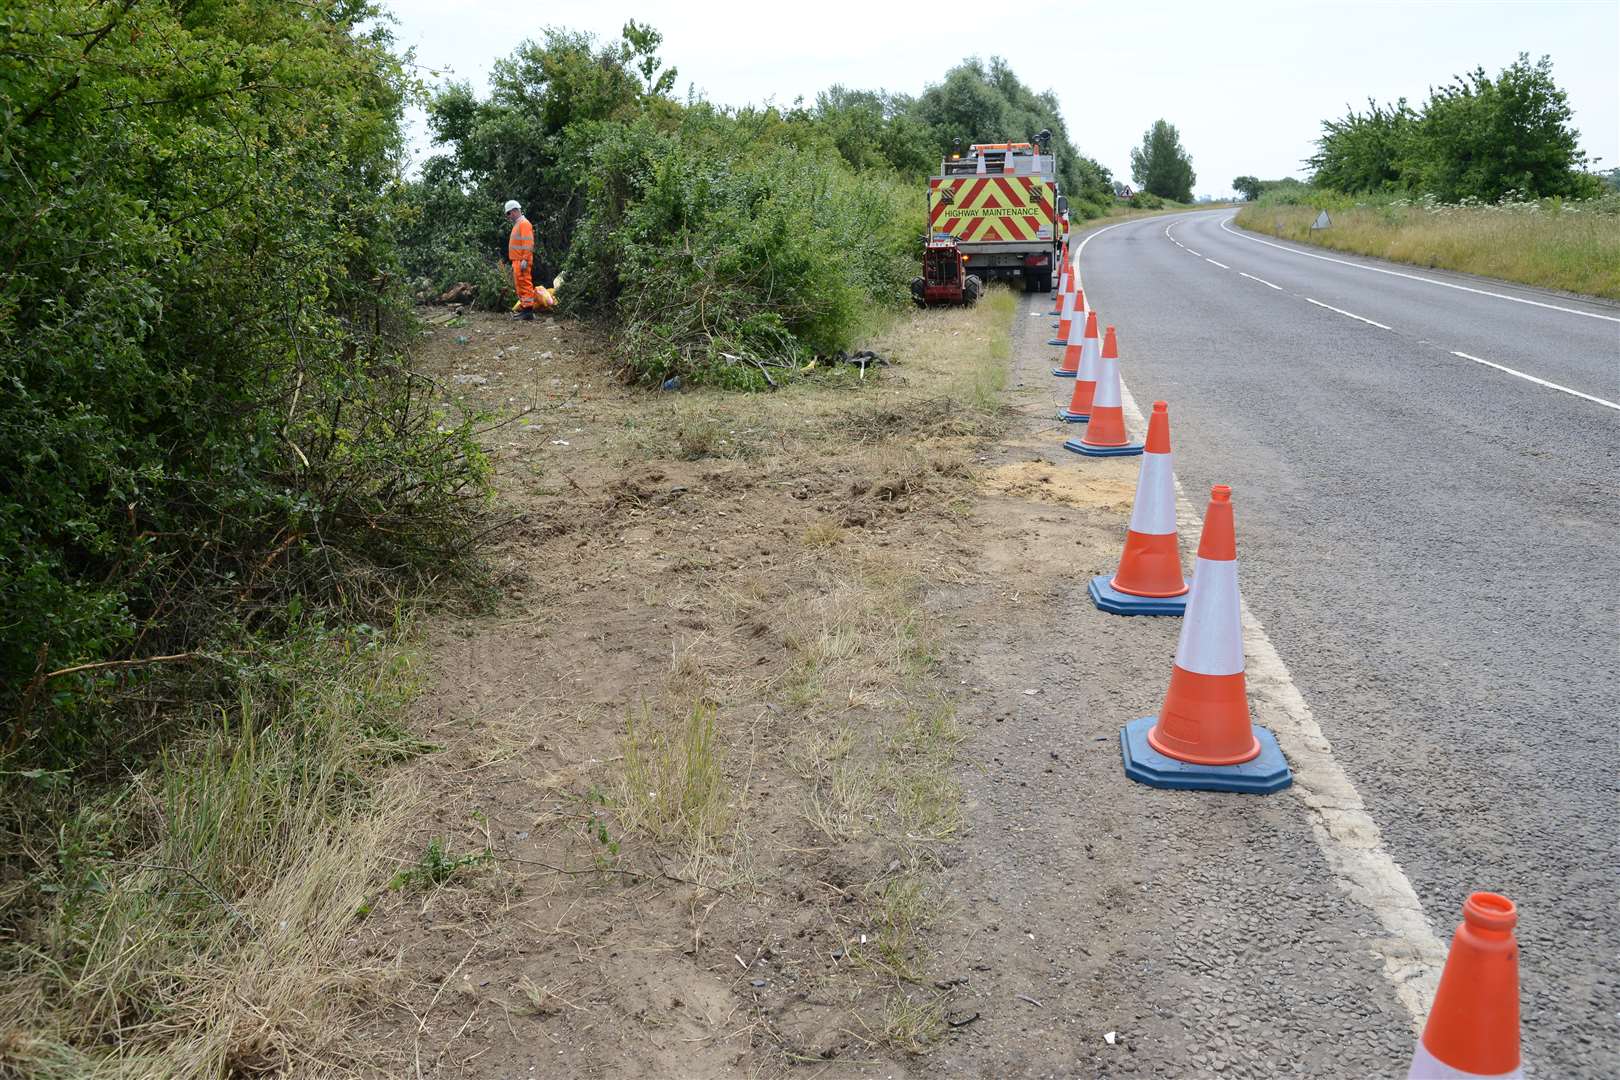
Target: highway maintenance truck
{"x":1002,"y":204}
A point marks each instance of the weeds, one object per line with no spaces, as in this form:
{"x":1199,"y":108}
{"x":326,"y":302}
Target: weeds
{"x":438,"y":867}
{"x":1551,"y":243}
{"x":673,"y":786}
{"x":185,"y":924}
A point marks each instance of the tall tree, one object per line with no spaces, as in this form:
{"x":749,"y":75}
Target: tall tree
{"x":1247,"y":186}
{"x":1367,"y":152}
{"x":1161,"y":166}
{"x":1483,"y":138}
{"x":976,"y":102}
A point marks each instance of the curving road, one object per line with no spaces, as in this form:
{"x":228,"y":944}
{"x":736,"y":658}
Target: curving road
{"x":1427,"y":473}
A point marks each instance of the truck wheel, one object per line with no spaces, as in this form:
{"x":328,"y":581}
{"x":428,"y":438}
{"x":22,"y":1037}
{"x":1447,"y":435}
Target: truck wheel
{"x":972,"y":289}
{"x":1046,"y":282}
{"x":918,"y":285}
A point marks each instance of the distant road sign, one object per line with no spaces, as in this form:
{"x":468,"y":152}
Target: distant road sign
{"x":1322,"y":221}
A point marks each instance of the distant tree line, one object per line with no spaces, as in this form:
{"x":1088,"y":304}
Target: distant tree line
{"x":1476,"y":137}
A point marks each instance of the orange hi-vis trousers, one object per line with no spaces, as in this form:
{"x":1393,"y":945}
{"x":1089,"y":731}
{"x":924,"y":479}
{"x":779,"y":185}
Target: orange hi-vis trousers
{"x":520,"y":250}
{"x":523,"y":282}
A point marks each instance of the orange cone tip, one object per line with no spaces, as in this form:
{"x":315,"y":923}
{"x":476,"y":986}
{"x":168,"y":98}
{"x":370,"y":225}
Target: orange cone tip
{"x":1473,"y":1027}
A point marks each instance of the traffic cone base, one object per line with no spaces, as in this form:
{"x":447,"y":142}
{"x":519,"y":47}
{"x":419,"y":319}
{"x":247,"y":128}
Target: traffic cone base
{"x":1111,"y":600}
{"x":1263,"y":774}
{"x":1060,"y":373}
{"x":1070,"y":417}
{"x":1128,"y":450}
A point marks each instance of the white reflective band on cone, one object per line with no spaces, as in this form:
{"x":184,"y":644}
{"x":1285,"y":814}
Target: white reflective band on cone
{"x":1212,"y":630}
{"x":1154,"y":513}
{"x":1107,"y":396}
{"x":1088,"y":359}
{"x":1067,"y":307}
{"x":1425,"y":1066}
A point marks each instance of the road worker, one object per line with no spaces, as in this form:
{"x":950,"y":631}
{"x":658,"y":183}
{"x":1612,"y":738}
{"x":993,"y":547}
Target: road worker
{"x":520,"y":251}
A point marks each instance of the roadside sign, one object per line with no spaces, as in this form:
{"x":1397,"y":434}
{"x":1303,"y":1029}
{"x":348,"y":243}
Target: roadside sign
{"x":1322,"y":221}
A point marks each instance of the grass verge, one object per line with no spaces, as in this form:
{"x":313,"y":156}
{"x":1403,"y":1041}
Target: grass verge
{"x":1572,"y":246}
{"x":184,"y":921}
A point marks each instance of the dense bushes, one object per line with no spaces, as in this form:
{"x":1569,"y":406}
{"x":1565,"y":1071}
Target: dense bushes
{"x":720,"y":241}
{"x":725,"y":247}
{"x":204,"y":418}
{"x":1475,"y":138}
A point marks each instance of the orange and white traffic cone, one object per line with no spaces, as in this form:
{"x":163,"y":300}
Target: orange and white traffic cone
{"x":1105,"y":428}
{"x":1149,"y":580}
{"x":1203,"y":738}
{"x":1074,"y":348}
{"x":1084,"y":376}
{"x":1066,"y":314}
{"x":1473,"y":1027}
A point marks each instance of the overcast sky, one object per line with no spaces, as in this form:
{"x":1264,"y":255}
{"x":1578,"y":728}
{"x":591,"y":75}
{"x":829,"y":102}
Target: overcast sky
{"x":1248,"y":84}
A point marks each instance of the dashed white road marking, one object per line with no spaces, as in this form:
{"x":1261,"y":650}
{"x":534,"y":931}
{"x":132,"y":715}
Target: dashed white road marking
{"x":1262,"y":281}
{"x":1539,"y":382}
{"x":1190,"y":251}
{"x":1348,"y":314}
{"x":1222,"y":265}
{"x":1226,"y":226}
{"x":1348,"y":837}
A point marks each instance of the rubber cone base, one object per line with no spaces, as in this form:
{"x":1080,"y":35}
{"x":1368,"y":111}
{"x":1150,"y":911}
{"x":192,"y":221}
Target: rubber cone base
{"x":1057,"y":342}
{"x":1073,"y":417}
{"x":1128,"y":450}
{"x":1060,"y":373}
{"x":1111,"y":600}
{"x":1262,"y":776}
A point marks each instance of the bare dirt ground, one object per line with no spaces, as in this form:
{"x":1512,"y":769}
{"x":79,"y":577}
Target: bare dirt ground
{"x":791,"y":747}
{"x":696,"y":772}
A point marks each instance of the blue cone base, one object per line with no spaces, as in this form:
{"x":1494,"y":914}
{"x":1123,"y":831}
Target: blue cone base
{"x":1060,"y":373}
{"x":1111,"y":600}
{"x":1260,"y":776}
{"x":1073,"y":417}
{"x":1056,"y":341}
{"x":1128,"y":450}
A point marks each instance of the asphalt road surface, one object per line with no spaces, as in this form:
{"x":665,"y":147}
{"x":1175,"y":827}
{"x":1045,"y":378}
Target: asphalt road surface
{"x":1433,"y":546}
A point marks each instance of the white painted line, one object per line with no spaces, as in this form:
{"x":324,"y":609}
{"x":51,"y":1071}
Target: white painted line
{"x":1226,"y":223}
{"x":1348,"y":314}
{"x":1538,"y":382}
{"x":1190,"y":251}
{"x":1222,"y":265}
{"x":1262,"y":281}
{"x":1345,"y":832}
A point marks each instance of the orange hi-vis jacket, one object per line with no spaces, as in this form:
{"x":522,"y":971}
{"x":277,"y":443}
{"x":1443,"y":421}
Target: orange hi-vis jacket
{"x":520,"y":244}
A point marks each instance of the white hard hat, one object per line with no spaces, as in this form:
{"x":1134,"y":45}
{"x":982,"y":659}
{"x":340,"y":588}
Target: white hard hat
{"x":511,"y":205}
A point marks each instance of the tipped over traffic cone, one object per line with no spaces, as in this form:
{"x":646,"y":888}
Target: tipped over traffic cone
{"x":1105,"y":428}
{"x":1149,"y":579}
{"x":1074,"y":349}
{"x":1203,"y":739}
{"x":1473,"y":1027}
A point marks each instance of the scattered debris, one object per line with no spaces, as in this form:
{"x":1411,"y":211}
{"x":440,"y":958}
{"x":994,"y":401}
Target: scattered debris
{"x":468,"y":380}
{"x":961,"y":1021}
{"x":1032,"y":1001}
{"x":462,"y":292}
{"x":1110,"y":1037}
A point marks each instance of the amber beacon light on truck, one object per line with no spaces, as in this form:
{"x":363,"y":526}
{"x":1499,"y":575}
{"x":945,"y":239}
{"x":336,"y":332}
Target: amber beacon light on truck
{"x":1002,"y":205}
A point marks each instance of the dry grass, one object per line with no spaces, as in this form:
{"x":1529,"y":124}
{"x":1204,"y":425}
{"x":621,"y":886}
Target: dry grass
{"x":196,"y":917}
{"x":1570,"y":247}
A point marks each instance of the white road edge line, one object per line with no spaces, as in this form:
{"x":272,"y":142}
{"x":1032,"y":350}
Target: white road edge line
{"x":1348,"y":837}
{"x":1226,"y":222}
{"x":1539,"y":382}
{"x":1348,"y":314}
{"x":1222,"y":265}
{"x":1261,"y":280}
